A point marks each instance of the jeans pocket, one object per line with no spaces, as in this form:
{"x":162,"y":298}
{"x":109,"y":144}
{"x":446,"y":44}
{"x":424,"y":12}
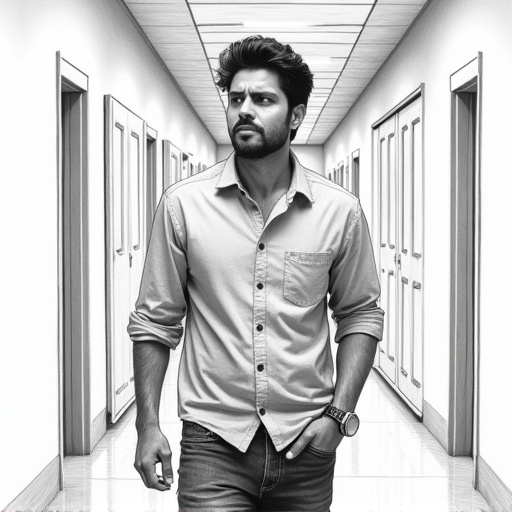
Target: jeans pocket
{"x":195,"y":433}
{"x":306,"y":277}
{"x":321,"y":453}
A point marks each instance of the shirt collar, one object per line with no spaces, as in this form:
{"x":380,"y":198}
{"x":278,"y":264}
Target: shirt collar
{"x":299,"y":182}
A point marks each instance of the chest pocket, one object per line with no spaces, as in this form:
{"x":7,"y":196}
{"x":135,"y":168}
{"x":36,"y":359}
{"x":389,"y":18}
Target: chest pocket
{"x":306,"y":277}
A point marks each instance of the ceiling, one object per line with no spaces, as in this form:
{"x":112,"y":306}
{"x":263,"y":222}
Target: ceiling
{"x":343,"y":42}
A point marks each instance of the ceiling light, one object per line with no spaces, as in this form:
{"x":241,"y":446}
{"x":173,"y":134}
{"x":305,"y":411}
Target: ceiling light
{"x":276,"y":24}
{"x":317,"y":61}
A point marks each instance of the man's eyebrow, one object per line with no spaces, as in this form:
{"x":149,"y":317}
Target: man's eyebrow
{"x":268,"y":92}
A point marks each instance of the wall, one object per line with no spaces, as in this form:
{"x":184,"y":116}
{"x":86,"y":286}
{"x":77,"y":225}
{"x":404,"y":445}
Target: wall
{"x":97,"y":37}
{"x":448,"y":35}
{"x":311,"y":157}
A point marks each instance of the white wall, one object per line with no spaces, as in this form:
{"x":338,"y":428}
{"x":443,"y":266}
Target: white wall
{"x":98,"y":37}
{"x":447,"y":36}
{"x":309,"y":156}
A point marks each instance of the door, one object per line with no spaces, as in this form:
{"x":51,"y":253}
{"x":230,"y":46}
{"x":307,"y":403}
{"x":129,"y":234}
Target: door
{"x":386,"y":162}
{"x":171,"y":163}
{"x":410,"y":253}
{"x":126,"y":244}
{"x":355,"y":173}
{"x":398,"y":147}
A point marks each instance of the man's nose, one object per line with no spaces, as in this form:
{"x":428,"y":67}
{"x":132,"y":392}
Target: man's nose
{"x":246,"y":109}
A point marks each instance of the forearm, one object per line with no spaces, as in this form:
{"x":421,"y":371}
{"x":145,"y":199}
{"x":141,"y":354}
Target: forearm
{"x":354,"y":361}
{"x":150,"y":360}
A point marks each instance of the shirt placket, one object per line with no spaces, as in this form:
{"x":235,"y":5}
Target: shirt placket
{"x":259,"y":313}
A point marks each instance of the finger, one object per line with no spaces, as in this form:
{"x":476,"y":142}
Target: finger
{"x":165,"y":458}
{"x":150,"y":478}
{"x":300,"y":444}
{"x":138,"y":466}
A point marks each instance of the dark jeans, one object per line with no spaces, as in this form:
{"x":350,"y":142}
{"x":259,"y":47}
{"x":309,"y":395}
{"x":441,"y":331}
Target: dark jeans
{"x":214,"y":475}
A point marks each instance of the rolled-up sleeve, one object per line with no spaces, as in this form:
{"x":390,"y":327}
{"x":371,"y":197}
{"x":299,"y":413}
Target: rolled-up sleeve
{"x":354,"y":285}
{"x":161,"y":304}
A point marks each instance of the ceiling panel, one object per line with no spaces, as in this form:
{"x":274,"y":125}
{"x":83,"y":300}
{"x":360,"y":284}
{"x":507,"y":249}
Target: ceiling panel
{"x":161,"y":14}
{"x":263,"y":28}
{"x":290,"y":38}
{"x":393,"y":14}
{"x":266,"y":2}
{"x":165,"y":34}
{"x":218,"y":13}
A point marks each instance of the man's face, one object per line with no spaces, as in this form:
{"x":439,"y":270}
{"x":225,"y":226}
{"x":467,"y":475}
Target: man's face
{"x":258,"y":114}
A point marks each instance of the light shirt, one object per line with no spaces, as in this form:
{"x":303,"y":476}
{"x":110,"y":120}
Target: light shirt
{"x":256,"y":345}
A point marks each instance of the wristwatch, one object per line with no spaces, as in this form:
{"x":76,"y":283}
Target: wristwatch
{"x":348,"y":422}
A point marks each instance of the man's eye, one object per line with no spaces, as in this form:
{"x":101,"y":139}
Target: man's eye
{"x":235,"y":101}
{"x":264,"y":100}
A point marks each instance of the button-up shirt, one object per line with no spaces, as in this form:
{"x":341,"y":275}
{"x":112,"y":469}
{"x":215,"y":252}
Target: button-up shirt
{"x":255,"y":294}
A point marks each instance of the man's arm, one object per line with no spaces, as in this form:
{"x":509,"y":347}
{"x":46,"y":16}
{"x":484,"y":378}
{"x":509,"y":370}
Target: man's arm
{"x":150,"y":360}
{"x":155,"y":327}
{"x":354,"y":288}
{"x":354,"y":360}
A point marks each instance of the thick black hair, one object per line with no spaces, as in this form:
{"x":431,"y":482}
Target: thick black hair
{"x":256,"y":52}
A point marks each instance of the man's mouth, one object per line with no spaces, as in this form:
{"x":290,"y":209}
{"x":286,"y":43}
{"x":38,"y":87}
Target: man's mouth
{"x":246,"y":128}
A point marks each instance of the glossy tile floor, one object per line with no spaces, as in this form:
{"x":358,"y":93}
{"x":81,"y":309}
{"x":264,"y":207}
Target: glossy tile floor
{"x":393,"y":464}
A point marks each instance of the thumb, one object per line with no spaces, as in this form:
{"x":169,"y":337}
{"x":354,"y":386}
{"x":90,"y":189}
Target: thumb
{"x":300,"y":444}
{"x":167,"y":467}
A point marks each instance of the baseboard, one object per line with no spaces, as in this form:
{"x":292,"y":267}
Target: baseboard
{"x":497,"y":494}
{"x":40,"y":492}
{"x":99,"y":427}
{"x":435,"y":424}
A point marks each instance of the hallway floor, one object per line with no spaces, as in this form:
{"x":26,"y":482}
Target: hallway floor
{"x":393,"y":464}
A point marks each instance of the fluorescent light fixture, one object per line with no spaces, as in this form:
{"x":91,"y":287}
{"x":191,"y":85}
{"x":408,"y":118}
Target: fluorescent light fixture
{"x":317,"y":61}
{"x":276,"y":24}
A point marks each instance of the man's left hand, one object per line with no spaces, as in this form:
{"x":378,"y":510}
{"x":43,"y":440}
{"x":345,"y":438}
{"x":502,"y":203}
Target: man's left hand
{"x":322,"y":433}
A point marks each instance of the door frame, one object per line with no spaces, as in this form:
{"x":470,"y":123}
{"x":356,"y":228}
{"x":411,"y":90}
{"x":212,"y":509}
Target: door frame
{"x":74,"y":377}
{"x":464,"y":359}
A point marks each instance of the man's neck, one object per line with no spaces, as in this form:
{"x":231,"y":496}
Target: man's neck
{"x":265,"y":177}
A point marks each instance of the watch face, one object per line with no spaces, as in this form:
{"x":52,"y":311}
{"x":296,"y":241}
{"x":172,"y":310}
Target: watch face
{"x":351,"y":425}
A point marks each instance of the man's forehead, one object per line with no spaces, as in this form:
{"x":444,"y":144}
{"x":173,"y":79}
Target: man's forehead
{"x":256,"y":80}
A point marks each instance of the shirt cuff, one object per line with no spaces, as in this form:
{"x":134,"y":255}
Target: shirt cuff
{"x":371,"y":323}
{"x":142,"y":329}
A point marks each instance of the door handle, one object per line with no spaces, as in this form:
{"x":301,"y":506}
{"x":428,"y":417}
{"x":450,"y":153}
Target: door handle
{"x":131,"y":258}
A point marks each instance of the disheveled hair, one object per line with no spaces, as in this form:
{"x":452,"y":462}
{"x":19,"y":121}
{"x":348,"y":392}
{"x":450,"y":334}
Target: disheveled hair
{"x":258,"y":52}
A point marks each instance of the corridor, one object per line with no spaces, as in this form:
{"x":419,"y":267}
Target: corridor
{"x":392,"y":464}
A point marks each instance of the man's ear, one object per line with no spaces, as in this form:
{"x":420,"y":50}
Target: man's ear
{"x":298,"y":114}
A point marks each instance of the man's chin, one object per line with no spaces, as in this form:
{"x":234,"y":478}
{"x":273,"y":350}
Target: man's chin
{"x":249,"y":151}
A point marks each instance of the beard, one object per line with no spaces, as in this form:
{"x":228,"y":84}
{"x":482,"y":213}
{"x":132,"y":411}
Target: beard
{"x":254,"y":147}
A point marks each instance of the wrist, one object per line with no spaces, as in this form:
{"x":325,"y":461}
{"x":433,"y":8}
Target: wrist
{"x":143,"y":425}
{"x":347,"y":422}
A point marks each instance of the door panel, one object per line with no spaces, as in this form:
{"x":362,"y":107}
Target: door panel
{"x":410,"y":264}
{"x":386,"y":168}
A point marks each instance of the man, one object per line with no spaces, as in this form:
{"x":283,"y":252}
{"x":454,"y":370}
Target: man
{"x":249,"y":250}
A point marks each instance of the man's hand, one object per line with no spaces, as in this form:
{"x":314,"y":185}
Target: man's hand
{"x":322,"y":433}
{"x":152,"y":448}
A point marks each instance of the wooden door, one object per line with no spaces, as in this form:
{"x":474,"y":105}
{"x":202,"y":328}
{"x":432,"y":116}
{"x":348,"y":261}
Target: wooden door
{"x":386,"y":169}
{"x":398,"y":157}
{"x":410,"y":254}
{"x":171,"y":163}
{"x":126,"y":192}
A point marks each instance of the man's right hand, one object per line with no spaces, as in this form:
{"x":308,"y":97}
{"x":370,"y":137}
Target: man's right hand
{"x":152,"y":448}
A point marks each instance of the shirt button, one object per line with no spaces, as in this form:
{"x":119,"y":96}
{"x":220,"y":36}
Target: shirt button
{"x":259,"y":327}
{"x":260,"y":367}
{"x":262,"y":411}
{"x":259,"y":286}
{"x":261,"y":246}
